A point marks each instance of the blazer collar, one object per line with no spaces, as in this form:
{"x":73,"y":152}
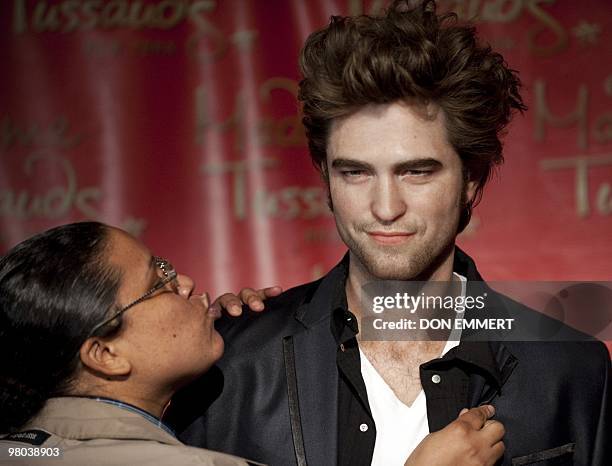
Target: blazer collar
{"x":328,"y":295}
{"x":494,"y":357}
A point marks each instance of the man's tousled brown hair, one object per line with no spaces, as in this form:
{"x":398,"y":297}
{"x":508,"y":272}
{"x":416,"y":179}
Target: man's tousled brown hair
{"x":410,"y":53}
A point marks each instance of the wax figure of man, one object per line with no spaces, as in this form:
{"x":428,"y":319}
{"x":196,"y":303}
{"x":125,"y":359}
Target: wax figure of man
{"x":403,"y":114}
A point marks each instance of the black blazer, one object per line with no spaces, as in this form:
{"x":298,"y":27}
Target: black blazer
{"x":273,"y":396}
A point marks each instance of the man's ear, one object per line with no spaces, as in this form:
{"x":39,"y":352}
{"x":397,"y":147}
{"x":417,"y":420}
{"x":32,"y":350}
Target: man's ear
{"x":101,"y":356}
{"x":470,"y":191}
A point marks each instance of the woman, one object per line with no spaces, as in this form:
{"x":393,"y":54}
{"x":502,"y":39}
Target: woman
{"x":96,"y":336}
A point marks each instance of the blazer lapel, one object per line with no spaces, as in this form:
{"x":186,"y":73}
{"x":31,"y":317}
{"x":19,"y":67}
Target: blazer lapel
{"x":312,"y":377}
{"x":483,"y":390}
{"x":316,"y":385}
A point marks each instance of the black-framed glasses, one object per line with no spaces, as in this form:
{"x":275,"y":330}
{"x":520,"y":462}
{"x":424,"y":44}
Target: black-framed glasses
{"x":168,"y":275}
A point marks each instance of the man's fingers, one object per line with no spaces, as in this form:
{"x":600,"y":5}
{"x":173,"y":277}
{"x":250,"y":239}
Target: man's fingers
{"x":476,"y":417}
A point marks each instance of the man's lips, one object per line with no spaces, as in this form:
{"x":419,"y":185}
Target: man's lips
{"x":386,"y":237}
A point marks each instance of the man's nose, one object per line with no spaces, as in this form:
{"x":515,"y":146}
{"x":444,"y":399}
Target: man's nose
{"x":388,"y":203}
{"x":186,"y":285}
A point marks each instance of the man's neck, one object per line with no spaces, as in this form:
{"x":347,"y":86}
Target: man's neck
{"x":358,"y":276}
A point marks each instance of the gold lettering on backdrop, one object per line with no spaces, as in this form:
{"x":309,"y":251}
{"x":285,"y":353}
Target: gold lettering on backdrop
{"x":288,"y":203}
{"x":602,"y":128}
{"x":279,"y":132}
{"x":600,"y":131}
{"x":206,"y":30}
{"x":292,"y":202}
{"x":604,"y":200}
{"x":71,"y":15}
{"x":205,"y":122}
{"x":45,"y":21}
{"x":286,"y":131}
{"x":56,"y":134}
{"x":507,"y":11}
{"x":20,"y":17}
{"x":238,"y":170}
{"x":582,"y":164}
{"x":154,"y":47}
{"x":57,"y":201}
{"x":502,"y":11}
{"x":547,"y":23}
{"x":544,"y":116}
{"x":207,"y":43}
{"x":465,"y":9}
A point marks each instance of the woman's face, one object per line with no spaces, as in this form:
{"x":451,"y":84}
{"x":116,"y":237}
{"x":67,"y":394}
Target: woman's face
{"x":169,"y":338}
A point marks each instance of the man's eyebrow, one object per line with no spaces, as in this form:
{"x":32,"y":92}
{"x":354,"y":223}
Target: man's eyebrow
{"x":416,"y":164}
{"x":351,"y":163}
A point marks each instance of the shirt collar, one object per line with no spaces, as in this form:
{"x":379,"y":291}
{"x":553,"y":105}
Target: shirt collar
{"x":134,"y":409}
{"x":84,"y":418}
{"x":490,"y":357}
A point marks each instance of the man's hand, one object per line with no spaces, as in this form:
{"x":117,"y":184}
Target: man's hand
{"x":232,"y":304}
{"x":473,"y":439}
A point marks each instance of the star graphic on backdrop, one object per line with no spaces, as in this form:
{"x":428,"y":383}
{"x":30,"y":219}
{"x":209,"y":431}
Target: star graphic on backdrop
{"x":134,"y":226}
{"x":587,"y":33}
{"x":244,"y":39}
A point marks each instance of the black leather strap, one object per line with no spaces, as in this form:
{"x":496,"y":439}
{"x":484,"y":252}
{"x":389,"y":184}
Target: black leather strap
{"x":294,"y":405}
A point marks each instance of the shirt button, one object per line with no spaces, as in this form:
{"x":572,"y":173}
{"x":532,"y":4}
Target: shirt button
{"x":436,"y":378}
{"x":363,"y":427}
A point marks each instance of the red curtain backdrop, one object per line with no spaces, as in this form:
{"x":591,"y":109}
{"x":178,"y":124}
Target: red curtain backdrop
{"x":178,"y":121}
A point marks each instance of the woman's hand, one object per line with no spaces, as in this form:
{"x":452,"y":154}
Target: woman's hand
{"x":232,"y":304}
{"x":473,"y":439}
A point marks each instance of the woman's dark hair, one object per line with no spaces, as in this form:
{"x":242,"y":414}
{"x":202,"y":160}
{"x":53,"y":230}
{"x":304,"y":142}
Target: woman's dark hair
{"x":410,"y":53}
{"x":54,"y":288}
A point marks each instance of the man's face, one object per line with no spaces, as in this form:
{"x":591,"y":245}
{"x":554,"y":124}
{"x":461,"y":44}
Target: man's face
{"x":397,"y":189}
